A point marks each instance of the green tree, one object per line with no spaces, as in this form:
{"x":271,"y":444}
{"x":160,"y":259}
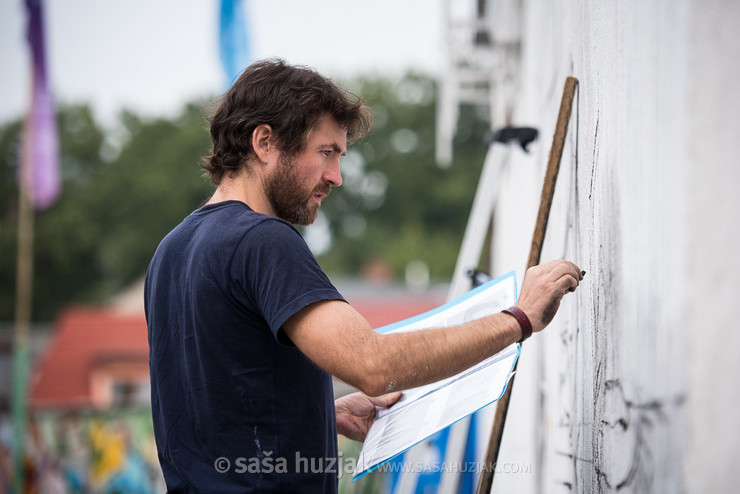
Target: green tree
{"x":123,"y":190}
{"x":396,"y":204}
{"x":115,"y":205}
{"x":150,"y":187}
{"x":62,"y":248}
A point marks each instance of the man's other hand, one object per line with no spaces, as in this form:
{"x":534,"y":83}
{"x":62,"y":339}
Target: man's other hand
{"x":543,"y":288}
{"x":356,"y":413}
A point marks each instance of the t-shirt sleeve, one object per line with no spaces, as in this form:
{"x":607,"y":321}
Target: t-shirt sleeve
{"x":279,"y":274}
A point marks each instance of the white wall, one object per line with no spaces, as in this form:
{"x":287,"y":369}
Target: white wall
{"x":633,"y":386}
{"x":713,"y":219}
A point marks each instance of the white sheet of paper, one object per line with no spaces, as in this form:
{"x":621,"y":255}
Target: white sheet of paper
{"x":425,"y":410}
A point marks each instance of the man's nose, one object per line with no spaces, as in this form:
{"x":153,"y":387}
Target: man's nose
{"x":333,"y":174}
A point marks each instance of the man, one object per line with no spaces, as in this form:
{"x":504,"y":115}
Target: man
{"x":245,"y":330}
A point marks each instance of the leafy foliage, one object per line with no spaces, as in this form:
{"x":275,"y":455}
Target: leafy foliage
{"x":123,"y":190}
{"x":113,"y":211}
{"x":396,"y":204}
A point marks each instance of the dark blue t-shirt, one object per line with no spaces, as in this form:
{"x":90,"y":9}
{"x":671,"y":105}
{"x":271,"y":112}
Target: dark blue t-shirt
{"x":237,"y":407}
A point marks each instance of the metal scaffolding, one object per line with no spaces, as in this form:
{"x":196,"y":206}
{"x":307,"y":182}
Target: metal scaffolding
{"x":483,"y":45}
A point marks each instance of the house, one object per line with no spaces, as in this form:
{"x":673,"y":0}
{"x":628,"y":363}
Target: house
{"x":98,"y":358}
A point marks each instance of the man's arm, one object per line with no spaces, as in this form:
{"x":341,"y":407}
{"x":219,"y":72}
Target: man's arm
{"x":338,"y":339}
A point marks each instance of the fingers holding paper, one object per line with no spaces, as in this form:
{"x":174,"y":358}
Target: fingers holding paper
{"x":356,"y":413}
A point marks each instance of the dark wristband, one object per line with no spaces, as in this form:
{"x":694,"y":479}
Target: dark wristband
{"x":522,"y":319}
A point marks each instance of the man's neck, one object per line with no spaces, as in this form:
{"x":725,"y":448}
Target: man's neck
{"x":244,"y":188}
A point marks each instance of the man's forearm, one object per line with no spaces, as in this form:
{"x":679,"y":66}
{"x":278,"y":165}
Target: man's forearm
{"x":406,"y":360}
{"x":338,"y":339}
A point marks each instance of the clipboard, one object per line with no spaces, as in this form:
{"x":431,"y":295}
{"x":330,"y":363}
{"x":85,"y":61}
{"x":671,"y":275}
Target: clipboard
{"x":425,"y":410}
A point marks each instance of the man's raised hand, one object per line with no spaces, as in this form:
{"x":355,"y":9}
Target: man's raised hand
{"x":543,"y":288}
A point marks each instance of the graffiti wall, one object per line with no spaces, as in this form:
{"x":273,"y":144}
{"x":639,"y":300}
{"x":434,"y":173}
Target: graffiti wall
{"x":96,"y":453}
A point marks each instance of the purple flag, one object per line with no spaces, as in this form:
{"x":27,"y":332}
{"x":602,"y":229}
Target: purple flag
{"x":41,"y":149}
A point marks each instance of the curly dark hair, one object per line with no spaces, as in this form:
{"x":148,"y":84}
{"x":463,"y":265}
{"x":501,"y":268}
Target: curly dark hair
{"x":291,"y":100}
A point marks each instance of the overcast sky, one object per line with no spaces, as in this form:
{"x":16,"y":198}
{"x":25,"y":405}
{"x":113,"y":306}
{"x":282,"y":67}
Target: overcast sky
{"x":153,"y":55}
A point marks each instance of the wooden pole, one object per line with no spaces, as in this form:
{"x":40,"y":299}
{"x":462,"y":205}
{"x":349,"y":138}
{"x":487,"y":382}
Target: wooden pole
{"x":535,"y":250}
{"x":23,"y":301}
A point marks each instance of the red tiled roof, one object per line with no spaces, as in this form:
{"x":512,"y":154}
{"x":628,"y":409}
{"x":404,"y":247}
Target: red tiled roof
{"x":380,"y":312}
{"x":83,"y":338}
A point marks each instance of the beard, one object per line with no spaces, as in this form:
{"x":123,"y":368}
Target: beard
{"x":287,"y":196}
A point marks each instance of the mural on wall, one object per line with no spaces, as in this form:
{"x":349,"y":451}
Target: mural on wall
{"x":115,"y":453}
{"x":99,"y":453}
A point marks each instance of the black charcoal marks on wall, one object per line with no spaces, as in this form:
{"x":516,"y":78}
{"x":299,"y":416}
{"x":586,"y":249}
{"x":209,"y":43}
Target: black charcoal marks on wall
{"x":606,"y":321}
{"x":625,"y":427}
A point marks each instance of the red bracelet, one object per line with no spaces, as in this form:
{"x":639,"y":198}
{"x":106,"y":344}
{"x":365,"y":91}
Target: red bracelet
{"x":522,"y":319}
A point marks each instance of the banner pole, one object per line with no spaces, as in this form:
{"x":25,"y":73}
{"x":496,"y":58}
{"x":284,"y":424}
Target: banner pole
{"x":23,"y":303}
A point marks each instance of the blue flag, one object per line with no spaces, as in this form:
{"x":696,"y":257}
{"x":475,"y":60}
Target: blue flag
{"x":233,"y":39}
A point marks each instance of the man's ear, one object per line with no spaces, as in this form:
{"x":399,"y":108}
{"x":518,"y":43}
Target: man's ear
{"x":262,"y":142}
